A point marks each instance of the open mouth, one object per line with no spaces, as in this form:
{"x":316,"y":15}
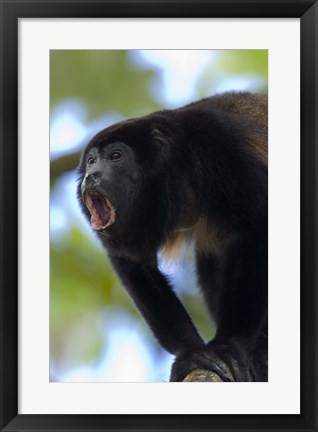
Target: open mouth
{"x":102,"y":212}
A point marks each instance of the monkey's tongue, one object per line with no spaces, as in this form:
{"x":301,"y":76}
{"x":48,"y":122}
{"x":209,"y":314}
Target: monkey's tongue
{"x":102,"y":214}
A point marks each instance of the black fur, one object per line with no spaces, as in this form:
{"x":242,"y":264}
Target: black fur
{"x":200,"y":173}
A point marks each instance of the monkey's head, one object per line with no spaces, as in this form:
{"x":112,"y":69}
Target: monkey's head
{"x":123,"y":172}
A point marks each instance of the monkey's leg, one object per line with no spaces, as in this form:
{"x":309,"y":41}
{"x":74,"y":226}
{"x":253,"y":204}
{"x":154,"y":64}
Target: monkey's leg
{"x":210,"y":280}
{"x":209,"y":269}
{"x":241,"y":338}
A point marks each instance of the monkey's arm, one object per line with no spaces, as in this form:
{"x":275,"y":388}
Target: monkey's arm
{"x":168,"y":319}
{"x":159,"y":305}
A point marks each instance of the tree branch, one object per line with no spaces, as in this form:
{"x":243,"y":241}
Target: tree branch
{"x":63,"y":165}
{"x":202,"y":375}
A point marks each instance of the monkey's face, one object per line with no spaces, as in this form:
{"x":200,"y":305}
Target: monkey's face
{"x":123,"y":179}
{"x":109,"y":185}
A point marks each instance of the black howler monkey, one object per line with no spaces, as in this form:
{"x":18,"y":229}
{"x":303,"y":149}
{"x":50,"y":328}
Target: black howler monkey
{"x":198,"y":173}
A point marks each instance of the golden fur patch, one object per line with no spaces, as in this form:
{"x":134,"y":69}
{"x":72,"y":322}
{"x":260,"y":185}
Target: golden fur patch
{"x":174,"y":247}
{"x":207,"y":240}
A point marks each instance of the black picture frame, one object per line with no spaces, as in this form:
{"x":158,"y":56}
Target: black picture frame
{"x":11,"y":11}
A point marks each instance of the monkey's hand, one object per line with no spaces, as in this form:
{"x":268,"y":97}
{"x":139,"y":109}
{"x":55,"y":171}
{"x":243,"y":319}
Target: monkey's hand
{"x":226,"y":358}
{"x":200,"y":358}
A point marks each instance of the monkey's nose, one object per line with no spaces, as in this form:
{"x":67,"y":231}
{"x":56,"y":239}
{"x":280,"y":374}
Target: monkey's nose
{"x":93,"y":179}
{"x":96,"y":176}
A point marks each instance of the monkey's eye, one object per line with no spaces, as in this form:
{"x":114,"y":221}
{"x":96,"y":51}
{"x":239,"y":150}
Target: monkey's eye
{"x":116,"y":155}
{"x":90,"y":161}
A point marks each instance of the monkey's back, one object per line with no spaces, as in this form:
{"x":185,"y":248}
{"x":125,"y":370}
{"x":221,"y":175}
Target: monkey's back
{"x":248,"y":111}
{"x":252,"y":106}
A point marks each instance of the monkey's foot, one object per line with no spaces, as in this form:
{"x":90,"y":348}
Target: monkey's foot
{"x":245,"y":364}
{"x":227,"y":358}
{"x":200,"y":358}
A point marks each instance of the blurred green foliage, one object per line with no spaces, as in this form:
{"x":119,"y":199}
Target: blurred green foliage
{"x":104,"y":80}
{"x":235,"y":63}
{"x":82,"y":283}
{"x":244,"y":62}
{"x":79,"y":286}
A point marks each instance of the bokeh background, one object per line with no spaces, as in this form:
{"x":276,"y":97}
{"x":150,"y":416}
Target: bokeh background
{"x":96,"y":334}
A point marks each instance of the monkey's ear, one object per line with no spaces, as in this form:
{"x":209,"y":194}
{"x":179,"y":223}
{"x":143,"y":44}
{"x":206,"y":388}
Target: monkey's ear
{"x":162,"y":140}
